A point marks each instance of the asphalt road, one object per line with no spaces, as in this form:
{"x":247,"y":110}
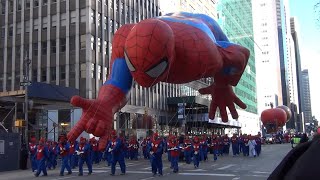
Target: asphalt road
{"x":225,"y":168}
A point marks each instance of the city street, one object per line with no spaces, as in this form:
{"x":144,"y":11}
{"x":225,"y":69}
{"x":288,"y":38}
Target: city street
{"x":225,"y":168}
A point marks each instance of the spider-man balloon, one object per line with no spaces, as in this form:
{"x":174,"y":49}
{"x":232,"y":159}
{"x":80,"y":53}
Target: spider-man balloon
{"x":175,"y":48}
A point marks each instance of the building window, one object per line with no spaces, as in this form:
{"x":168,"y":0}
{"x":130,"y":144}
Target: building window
{"x":73,"y":17}
{"x":93,"y":43}
{"x":72,"y":71}
{"x":63,"y":19}
{"x":93,"y":16}
{"x":3,"y":6}
{"x":27,"y":4}
{"x":63,"y":45}
{"x":35,"y":24}
{"x":99,"y":19}
{"x":99,"y":45}
{"x":34,"y":75}
{"x":63,"y":72}
{"x":72,"y":42}
{"x":54,"y":21}
{"x":35,"y":49}
{"x":3,"y":32}
{"x":11,"y":6}
{"x":43,"y":74}
{"x":11,"y":30}
{"x":19,"y":28}
{"x":26,"y":49}
{"x":53,"y":73}
{"x":53,"y":46}
{"x":93,"y":71}
{"x":82,"y":41}
{"x":105,"y":45}
{"x":18,"y":51}
{"x":27,"y":26}
{"x":45,"y":23}
{"x":105,"y":22}
{"x":111,"y":25}
{"x":44,"y":2}
{"x":83,"y":15}
{"x":44,"y":48}
{"x":35,"y":3}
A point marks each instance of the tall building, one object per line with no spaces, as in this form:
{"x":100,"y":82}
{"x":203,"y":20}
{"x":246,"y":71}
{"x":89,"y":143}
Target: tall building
{"x":267,"y":54}
{"x":69,"y":45}
{"x":306,"y":99}
{"x":235,"y":18}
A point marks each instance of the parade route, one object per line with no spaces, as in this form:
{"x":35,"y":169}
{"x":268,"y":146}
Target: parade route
{"x":225,"y":168}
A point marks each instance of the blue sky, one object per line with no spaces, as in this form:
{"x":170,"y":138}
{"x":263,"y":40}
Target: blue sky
{"x":309,"y":46}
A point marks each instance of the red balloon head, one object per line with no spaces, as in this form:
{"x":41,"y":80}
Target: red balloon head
{"x":149,"y":51}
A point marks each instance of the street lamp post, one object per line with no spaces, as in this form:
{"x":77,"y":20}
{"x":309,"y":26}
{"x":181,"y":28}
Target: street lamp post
{"x":27,"y":62}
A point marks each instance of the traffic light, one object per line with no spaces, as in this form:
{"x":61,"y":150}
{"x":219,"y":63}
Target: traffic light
{"x":20,"y":123}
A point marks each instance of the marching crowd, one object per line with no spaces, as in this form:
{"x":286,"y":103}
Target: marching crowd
{"x":44,"y":154}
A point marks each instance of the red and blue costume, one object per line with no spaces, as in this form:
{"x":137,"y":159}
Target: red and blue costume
{"x":235,"y":145}
{"x":63,"y":151}
{"x":187,"y":150}
{"x":32,"y":151}
{"x":83,"y":151}
{"x":226,"y":144}
{"x":116,"y":148}
{"x":215,"y":147}
{"x":72,"y":155}
{"x":196,"y":152}
{"x":42,"y":155}
{"x":203,"y":148}
{"x":176,"y":48}
{"x":174,"y":151}
{"x":155,"y":149}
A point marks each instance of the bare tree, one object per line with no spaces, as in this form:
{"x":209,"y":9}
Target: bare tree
{"x":317,"y":12}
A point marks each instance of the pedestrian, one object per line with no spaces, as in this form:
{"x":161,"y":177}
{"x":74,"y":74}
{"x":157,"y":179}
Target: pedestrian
{"x":258,"y":146}
{"x":83,"y":151}
{"x":24,"y":156}
{"x":115,"y":147}
{"x":63,"y":151}
{"x":304,"y":138}
{"x":156,"y":150}
{"x":251,"y":144}
{"x":41,"y":157}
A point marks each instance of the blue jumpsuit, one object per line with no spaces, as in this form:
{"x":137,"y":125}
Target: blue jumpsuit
{"x":41,"y":156}
{"x":83,"y":151}
{"x":116,"y":148}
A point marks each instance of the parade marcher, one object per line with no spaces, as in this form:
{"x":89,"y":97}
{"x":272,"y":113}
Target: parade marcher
{"x":241,"y":144}
{"x":187,"y":149}
{"x":115,"y":147}
{"x":221,"y":145}
{"x":196,"y":152}
{"x":215,"y":147}
{"x":245,"y":147}
{"x":252,"y":143}
{"x":226,"y":144}
{"x":174,"y":150}
{"x":41,"y":157}
{"x":83,"y":151}
{"x":49,"y":163}
{"x":203,"y":148}
{"x":33,"y":150}
{"x":108,"y":155}
{"x":235,"y":145}
{"x":63,"y":151}
{"x":144,"y":148}
{"x":133,"y":148}
{"x":72,"y":155}
{"x":156,"y":149}
{"x":258,"y":146}
{"x":95,"y":150}
{"x":54,"y":153}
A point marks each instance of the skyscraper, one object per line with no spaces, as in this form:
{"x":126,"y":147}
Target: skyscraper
{"x":306,"y":99}
{"x":267,"y":54}
{"x":235,"y":18}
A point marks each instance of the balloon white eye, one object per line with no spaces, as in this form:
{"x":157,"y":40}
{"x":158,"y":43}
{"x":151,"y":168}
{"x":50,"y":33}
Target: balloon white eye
{"x":129,"y":64}
{"x":157,"y":70}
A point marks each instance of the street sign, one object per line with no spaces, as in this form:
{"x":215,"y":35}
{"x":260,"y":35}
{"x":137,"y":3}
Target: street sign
{"x":24,"y":83}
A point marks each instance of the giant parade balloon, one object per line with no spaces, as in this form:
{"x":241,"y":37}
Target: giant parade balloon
{"x":287,"y":110}
{"x":272,"y":119}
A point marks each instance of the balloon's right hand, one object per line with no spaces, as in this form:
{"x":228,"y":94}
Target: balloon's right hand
{"x":96,"y":118}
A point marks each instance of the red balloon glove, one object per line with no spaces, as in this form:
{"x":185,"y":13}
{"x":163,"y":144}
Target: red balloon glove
{"x":222,"y":97}
{"x":97,"y":115}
